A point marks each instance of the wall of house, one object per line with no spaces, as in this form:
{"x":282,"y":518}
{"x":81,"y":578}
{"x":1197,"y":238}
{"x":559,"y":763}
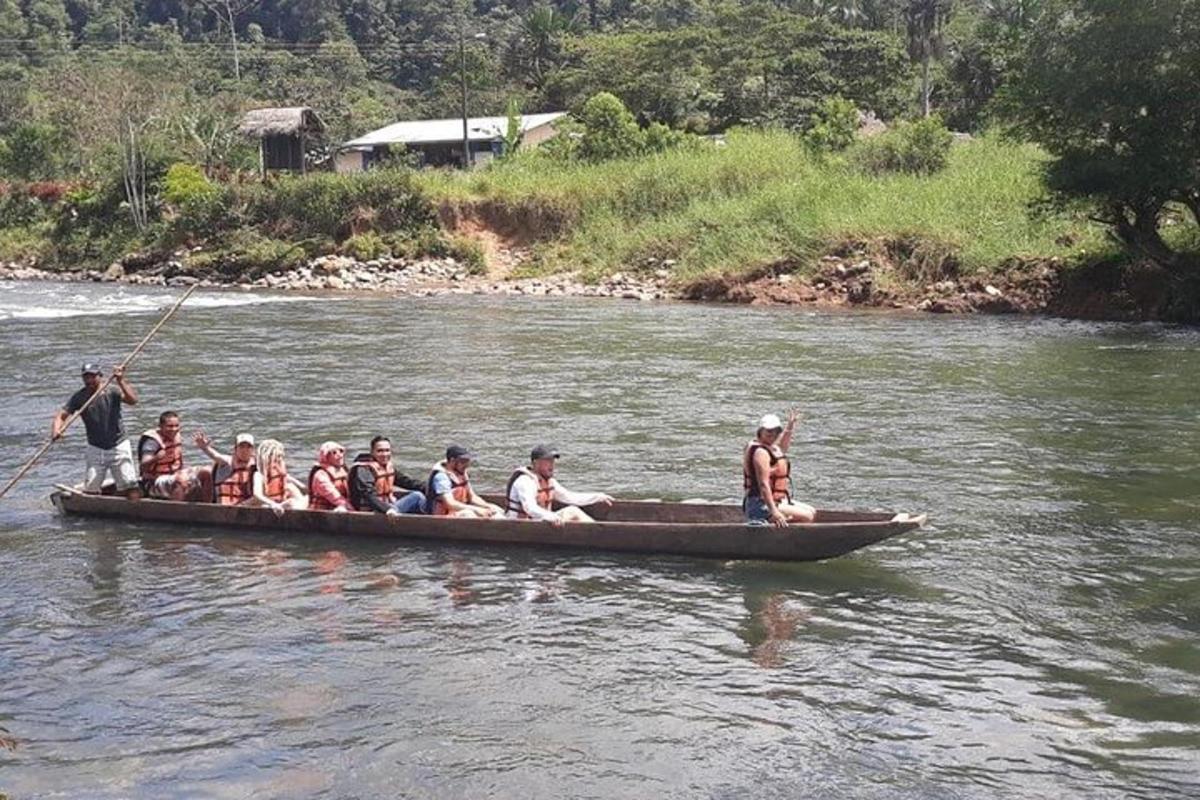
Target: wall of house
{"x":349,"y":161}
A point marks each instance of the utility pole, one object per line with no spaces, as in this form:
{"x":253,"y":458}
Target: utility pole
{"x":468,"y":156}
{"x":462,"y":79}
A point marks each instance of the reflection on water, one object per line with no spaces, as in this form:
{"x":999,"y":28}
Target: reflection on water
{"x":1039,"y":640}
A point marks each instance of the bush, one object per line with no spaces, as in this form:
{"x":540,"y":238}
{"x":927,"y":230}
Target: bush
{"x":184,"y":183}
{"x":833,"y":127}
{"x":365,"y":246}
{"x":609,"y":130}
{"x":207,"y":213}
{"x":245,"y":252}
{"x":920,"y":148}
{"x":468,"y":252}
{"x":339,"y":206}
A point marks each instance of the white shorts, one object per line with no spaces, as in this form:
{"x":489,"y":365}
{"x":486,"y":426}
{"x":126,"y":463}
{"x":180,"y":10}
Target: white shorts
{"x":163,"y":486}
{"x":118,"y":461}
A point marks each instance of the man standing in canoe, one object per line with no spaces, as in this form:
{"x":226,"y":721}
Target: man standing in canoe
{"x":533,"y":490}
{"x":767,"y":476}
{"x":107,"y":448}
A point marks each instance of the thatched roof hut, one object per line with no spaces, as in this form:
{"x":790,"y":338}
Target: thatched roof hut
{"x":284,"y":134}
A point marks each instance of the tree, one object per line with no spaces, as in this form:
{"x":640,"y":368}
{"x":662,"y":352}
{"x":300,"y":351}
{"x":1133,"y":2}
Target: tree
{"x":1112,"y":90}
{"x":609,"y":130}
{"x":227,"y":13}
{"x":537,"y":47}
{"x":925,"y":21}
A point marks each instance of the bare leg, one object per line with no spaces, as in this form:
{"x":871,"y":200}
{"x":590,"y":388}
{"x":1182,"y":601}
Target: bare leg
{"x":470,"y":512}
{"x":574,"y":514}
{"x":797,"y":512}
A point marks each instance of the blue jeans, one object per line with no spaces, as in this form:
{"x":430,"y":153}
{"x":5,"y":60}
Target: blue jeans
{"x":756,"y":510}
{"x":411,"y":503}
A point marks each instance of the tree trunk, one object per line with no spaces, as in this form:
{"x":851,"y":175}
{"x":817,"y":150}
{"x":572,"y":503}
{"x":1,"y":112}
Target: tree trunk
{"x":1137,"y":229}
{"x":237,"y":68}
{"x":925,"y":87}
{"x":593,"y":15}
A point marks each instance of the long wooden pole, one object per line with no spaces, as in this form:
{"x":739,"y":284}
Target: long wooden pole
{"x":71,"y":419}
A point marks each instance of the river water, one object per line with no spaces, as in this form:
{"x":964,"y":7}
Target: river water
{"x":1039,"y":639}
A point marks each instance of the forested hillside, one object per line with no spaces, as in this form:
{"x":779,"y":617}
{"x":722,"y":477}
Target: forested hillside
{"x":69,"y":66}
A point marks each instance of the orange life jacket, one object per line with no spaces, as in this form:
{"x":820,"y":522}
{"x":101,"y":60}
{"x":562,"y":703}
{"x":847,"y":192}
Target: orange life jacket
{"x":545,"y":493}
{"x":275,"y":486}
{"x":237,"y":488}
{"x":460,"y":490}
{"x":385,"y":479}
{"x":779,"y":477}
{"x":341,"y":482}
{"x":168,"y":460}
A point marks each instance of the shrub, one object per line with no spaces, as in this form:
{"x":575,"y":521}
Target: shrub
{"x":365,"y":246}
{"x":412,"y":244}
{"x":184,"y":183}
{"x":833,"y":126}
{"x":468,"y":252}
{"x":920,"y":148}
{"x":246,"y":252}
{"x":206,"y":213}
{"x":609,"y":130}
{"x":339,"y":206}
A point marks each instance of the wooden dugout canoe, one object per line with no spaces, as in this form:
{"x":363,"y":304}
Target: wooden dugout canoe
{"x":633,"y":526}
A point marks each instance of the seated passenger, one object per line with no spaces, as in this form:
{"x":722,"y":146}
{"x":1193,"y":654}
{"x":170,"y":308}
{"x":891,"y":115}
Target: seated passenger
{"x":328,"y":480}
{"x":272,"y":486}
{"x":449,"y":492}
{"x":767,"y":476}
{"x":231,"y":475}
{"x":373,"y":482}
{"x":163,"y":475}
{"x":532,"y":491}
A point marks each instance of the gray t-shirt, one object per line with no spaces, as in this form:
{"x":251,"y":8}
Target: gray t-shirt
{"x":102,"y":418}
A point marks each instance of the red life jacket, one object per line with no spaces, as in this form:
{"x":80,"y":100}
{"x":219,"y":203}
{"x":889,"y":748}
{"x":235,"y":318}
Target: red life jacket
{"x":341,"y":482}
{"x":545,"y":493}
{"x":779,"y":478}
{"x":168,"y":460}
{"x":237,"y":488}
{"x":460,"y":490}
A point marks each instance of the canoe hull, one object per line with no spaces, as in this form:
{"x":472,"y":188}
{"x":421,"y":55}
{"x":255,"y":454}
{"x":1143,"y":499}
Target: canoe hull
{"x":701,"y":530}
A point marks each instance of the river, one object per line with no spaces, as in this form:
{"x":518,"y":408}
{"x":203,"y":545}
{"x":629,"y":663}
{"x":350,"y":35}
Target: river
{"x":1038,"y":639}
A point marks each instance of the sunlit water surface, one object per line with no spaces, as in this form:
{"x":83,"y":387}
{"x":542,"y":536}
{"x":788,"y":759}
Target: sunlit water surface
{"x":1038,"y":640}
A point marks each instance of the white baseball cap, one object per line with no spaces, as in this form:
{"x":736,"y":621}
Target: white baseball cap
{"x":770,"y":422}
{"x":243,"y":438}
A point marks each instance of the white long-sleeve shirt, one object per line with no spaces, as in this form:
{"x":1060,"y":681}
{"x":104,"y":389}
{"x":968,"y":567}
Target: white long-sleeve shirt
{"x":524,"y":492}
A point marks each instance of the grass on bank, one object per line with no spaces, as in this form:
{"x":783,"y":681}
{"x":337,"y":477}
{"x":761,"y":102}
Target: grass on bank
{"x":762,"y":198}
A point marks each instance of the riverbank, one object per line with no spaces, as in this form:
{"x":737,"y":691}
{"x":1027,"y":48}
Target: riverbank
{"x":759,"y":220}
{"x":865,"y":275}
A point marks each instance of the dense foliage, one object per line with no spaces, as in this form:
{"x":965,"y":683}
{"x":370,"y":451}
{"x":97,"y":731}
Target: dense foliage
{"x":118,"y":117}
{"x":1112,"y":90}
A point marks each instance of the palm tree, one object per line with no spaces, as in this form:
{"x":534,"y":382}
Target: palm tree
{"x":846,"y":12}
{"x":926,"y":20}
{"x":539,"y":41}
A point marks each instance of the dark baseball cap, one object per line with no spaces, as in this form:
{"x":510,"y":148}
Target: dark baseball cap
{"x":458,"y":451}
{"x":91,"y":368}
{"x":543,"y":451}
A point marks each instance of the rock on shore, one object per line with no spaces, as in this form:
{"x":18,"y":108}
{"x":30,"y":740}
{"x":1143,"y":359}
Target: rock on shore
{"x":422,"y":278}
{"x":854,"y":279}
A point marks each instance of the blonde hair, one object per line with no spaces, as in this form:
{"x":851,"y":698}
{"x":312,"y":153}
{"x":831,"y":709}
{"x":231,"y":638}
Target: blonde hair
{"x":268,"y":450}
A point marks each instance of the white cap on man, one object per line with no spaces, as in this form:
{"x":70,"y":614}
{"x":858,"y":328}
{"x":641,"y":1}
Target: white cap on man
{"x":244,"y":438}
{"x":770,"y":422}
